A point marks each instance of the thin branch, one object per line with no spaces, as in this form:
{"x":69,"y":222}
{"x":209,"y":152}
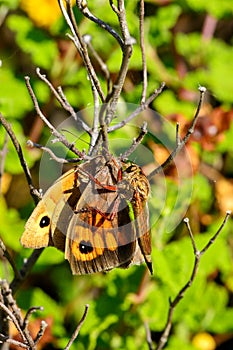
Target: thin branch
{"x":113,"y":6}
{"x":53,"y":130}
{"x":180,"y":144}
{"x":25,"y":269}
{"x":6,"y":339}
{"x":142,"y":46}
{"x":40,"y":334}
{"x":11,"y":309}
{"x":177,"y":134}
{"x":127,"y":52}
{"x":198,"y":254}
{"x":118,"y":85}
{"x":14,"y":314}
{"x":123,"y":23}
{"x":135,"y":143}
{"x":20,"y":276}
{"x":34,"y":192}
{"x":6,"y":254}
{"x":148,"y":336}
{"x":47,"y":150}
{"x":82,"y":5}
{"x":29,"y":313}
{"x":77,"y":330}
{"x":103,"y":66}
{"x":61,"y":160}
{"x":63,"y":101}
{"x":3,"y":154}
{"x":95,"y":124}
{"x":80,"y":45}
{"x":138,"y":110}
{"x":212,"y":240}
{"x":14,"y":320}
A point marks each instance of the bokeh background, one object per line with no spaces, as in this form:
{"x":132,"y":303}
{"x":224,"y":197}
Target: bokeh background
{"x":188,"y":42}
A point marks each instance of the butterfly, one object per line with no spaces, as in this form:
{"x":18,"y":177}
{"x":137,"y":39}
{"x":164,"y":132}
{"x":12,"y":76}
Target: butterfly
{"x":97,"y":213}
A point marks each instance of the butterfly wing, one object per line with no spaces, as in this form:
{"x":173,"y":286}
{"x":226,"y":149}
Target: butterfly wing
{"x":37,"y":232}
{"x":41,"y":228}
{"x":95,"y":243}
{"x":100,"y":236}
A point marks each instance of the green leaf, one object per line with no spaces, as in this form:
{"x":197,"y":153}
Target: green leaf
{"x":202,"y":192}
{"x":14,"y":97}
{"x":216,"y":8}
{"x":12,"y":162}
{"x":167,"y":103}
{"x":11,"y":226}
{"x":33,"y":41}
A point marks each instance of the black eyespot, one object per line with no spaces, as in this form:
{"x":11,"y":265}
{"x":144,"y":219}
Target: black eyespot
{"x":85,"y":247}
{"x":45,"y":221}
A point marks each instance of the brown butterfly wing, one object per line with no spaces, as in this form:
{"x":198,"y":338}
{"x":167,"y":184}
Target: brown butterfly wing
{"x":37,"y":232}
{"x":91,"y":223}
{"x":92,"y":246}
{"x":43,"y":227}
{"x":100,"y":236}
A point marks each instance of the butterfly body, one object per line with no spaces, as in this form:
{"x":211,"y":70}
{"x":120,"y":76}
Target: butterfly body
{"x":97,"y":214}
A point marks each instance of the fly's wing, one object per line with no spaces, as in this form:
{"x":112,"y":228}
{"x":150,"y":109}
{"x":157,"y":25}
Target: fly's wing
{"x":134,"y":176}
{"x":139,"y":214}
{"x":144,"y":236}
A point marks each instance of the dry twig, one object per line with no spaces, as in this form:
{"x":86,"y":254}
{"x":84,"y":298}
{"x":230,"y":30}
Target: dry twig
{"x":11,"y":310}
{"x":77,"y":330}
{"x":197,"y":254}
{"x":142,"y":45}
{"x":3,"y":154}
{"x":35,"y":194}
{"x":180,"y":143}
{"x":53,"y":130}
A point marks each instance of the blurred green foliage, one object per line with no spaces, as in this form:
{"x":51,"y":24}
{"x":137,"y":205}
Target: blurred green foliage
{"x":180,"y":53}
